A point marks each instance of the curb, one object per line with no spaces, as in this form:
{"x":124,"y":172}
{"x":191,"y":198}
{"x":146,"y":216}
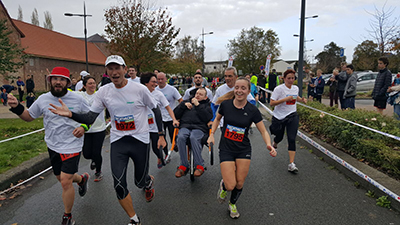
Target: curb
{"x":24,"y":171}
{"x":375,"y":174}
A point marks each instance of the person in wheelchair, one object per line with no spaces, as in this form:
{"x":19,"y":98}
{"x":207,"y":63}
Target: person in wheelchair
{"x":194,"y":114}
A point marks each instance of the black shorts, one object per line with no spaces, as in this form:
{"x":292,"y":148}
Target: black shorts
{"x":380,"y":104}
{"x":229,"y":156}
{"x":67,"y":163}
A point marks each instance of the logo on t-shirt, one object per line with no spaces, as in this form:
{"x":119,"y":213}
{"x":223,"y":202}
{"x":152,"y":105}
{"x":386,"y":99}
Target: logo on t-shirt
{"x":150,"y":118}
{"x":125,"y":123}
{"x":234,"y":133}
{"x":130,"y":102}
{"x":292,"y":102}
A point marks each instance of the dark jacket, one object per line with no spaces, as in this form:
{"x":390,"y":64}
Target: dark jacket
{"x":196,"y":118}
{"x":261,"y":80}
{"x":382,"y":83}
{"x":350,"y":89}
{"x":30,"y":85}
{"x":332,"y":85}
{"x":342,"y":80}
{"x":319,"y":88}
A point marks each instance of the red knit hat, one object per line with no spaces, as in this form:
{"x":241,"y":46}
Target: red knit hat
{"x":59,"y":72}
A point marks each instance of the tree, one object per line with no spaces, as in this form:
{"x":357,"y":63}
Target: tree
{"x":365,"y":56}
{"x":35,"y":17}
{"x":11,"y":54}
{"x":143,"y":36}
{"x":188,"y":55}
{"x":329,"y":58}
{"x":251,"y":48}
{"x":383,"y":28}
{"x":20,"y":16}
{"x":47,"y":21}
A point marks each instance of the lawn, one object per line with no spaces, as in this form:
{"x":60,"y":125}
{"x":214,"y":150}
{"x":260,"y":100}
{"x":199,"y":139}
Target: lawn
{"x":14,"y":152}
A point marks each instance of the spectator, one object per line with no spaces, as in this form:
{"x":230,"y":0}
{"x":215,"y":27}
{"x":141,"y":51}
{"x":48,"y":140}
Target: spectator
{"x":79,"y":85}
{"x":20,"y":85}
{"x":332,"y":82}
{"x":173,"y":80}
{"x":30,"y":98}
{"x":261,"y":81}
{"x":310,"y":86}
{"x":30,"y":84}
{"x":105,"y":79}
{"x":342,"y":80}
{"x":306,"y":75}
{"x":394,"y":96}
{"x":382,"y":83}
{"x":194,"y":114}
{"x":319,"y":85}
{"x":4,"y":96}
{"x":350,"y":91}
{"x":253,"y":88}
{"x":73,"y":84}
{"x":271,"y":82}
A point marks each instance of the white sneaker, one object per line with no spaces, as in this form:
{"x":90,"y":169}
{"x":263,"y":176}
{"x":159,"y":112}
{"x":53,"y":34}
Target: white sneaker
{"x":233,"y":211}
{"x":292,"y":168}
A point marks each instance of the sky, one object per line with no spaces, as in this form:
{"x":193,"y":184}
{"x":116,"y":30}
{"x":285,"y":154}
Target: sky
{"x":344,"y":22}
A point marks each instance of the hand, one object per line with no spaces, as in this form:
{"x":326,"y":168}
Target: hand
{"x":161,"y":142}
{"x":288,"y":98}
{"x":304,"y":100}
{"x":389,"y":89}
{"x":210,"y":139}
{"x":195,"y":101}
{"x":188,"y":105}
{"x":175,"y":123}
{"x":12,"y":101}
{"x":209,"y":124}
{"x":61,"y":110}
{"x":272,"y":150}
{"x":78,"y":132}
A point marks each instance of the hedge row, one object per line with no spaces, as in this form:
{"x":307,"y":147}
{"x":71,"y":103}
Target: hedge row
{"x":380,"y":151}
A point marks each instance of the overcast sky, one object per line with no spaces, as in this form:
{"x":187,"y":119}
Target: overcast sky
{"x":342,"y":21}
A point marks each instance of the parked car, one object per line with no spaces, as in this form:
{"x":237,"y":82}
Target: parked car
{"x":326,"y":77}
{"x":366,"y":81}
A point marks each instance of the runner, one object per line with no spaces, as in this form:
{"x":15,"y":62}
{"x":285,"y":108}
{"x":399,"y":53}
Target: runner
{"x":234,"y":146}
{"x":173,"y":97}
{"x":150,"y":81}
{"x":197,"y":80}
{"x":284,"y":99}
{"x":62,"y":135}
{"x":94,"y":137}
{"x":127,"y":103}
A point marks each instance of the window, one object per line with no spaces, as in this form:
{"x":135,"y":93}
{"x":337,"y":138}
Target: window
{"x":31,"y":62}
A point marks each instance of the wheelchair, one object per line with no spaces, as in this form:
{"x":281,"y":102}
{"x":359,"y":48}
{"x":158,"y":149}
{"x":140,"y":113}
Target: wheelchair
{"x":190,"y":152}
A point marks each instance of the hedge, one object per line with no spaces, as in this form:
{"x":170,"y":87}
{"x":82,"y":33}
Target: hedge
{"x":375,"y":149}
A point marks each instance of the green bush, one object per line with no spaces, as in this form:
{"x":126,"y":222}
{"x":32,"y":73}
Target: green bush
{"x":376,"y":149}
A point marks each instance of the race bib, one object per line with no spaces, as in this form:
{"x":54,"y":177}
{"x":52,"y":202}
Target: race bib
{"x":292,"y":102}
{"x":234,"y":133}
{"x":151,"y":120}
{"x":125,"y":123}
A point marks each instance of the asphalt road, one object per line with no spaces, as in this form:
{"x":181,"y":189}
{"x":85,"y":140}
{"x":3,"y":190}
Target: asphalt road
{"x":318,"y":194}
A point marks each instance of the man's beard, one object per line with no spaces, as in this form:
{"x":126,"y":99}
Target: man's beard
{"x":58,"y":93}
{"x":198,"y":83}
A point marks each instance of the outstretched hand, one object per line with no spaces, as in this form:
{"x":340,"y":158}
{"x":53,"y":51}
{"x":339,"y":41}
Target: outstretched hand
{"x":272,"y":150}
{"x":60,"y":110}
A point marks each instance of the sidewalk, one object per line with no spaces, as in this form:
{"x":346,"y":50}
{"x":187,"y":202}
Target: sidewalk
{"x":5,"y":112}
{"x":367,"y":104}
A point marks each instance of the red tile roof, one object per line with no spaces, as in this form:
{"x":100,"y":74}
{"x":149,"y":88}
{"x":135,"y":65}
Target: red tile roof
{"x":46,"y":43}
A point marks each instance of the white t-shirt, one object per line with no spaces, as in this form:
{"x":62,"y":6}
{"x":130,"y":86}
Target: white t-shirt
{"x":187,"y":93}
{"x":99,"y":124}
{"x":128,"y":110}
{"x":79,"y":85}
{"x":137,"y":79}
{"x":58,"y":129}
{"x":284,"y":109}
{"x":172,"y":96}
{"x":162,"y":102}
{"x":223,"y":89}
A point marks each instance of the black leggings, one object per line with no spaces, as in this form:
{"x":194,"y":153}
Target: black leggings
{"x":168,"y":125}
{"x":291,"y":122}
{"x":92,"y":146}
{"x":154,"y":141}
{"x":123,"y":149}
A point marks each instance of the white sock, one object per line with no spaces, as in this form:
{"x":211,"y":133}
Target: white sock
{"x":135,"y":218}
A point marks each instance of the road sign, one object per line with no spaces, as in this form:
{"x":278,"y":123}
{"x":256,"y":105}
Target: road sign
{"x":341,"y":52}
{"x":261,"y":67}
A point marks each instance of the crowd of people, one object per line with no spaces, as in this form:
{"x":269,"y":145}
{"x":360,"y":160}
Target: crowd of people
{"x":142,"y":108}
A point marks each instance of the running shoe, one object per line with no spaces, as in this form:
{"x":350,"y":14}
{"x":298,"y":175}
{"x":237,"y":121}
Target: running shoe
{"x":83,"y":186}
{"x":92,"y":165}
{"x":67,"y":220}
{"x":149,"y":191}
{"x":98,"y":176}
{"x":292,"y":168}
{"x":169,"y":160}
{"x":159,"y":164}
{"x":135,"y":223}
{"x":221,"y":195}
{"x":233,"y":211}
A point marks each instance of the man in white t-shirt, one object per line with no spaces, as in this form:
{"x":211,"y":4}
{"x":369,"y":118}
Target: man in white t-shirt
{"x":79,"y":85}
{"x":198,"y":83}
{"x":230,"y":76}
{"x":133,"y":74}
{"x":173,"y":97}
{"x":63,"y":136}
{"x":127,"y":103}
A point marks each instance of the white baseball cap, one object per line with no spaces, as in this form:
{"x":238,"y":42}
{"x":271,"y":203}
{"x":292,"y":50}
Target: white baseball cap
{"x":115,"y":59}
{"x":84,"y":73}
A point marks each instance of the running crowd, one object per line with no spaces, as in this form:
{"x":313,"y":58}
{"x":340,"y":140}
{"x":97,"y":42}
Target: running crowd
{"x":140,"y":110}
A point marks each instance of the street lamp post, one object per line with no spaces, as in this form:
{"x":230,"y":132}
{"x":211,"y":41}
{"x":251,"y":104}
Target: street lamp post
{"x":84,"y":15}
{"x":202,"y":52}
